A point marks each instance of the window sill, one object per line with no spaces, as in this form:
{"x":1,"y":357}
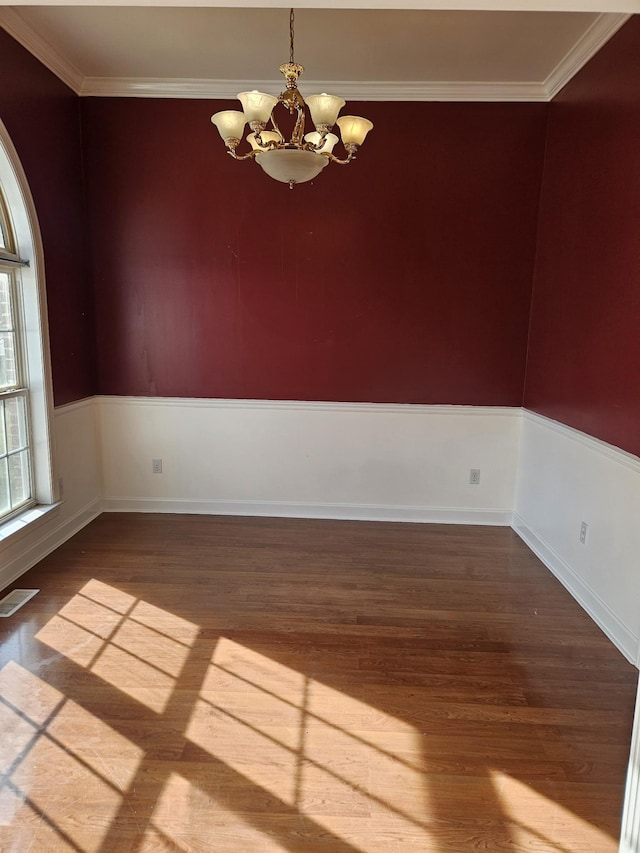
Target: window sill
{"x":27,"y":522}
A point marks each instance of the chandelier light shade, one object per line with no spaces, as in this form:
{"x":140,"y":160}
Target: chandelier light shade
{"x":354,"y":129}
{"x":230,"y":124}
{"x":266,"y":136}
{"x":324,"y":109}
{"x":257,"y":106}
{"x":303,"y":156}
{"x":315,"y":138}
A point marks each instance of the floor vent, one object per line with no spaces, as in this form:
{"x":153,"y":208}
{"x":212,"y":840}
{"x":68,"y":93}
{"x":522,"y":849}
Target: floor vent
{"x":12,"y":602}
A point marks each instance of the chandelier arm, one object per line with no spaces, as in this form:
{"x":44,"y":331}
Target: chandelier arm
{"x":274,"y":125}
{"x":317,"y":149}
{"x":248,"y":156}
{"x":334,"y":159}
{"x":298,"y":130}
{"x":294,"y":102}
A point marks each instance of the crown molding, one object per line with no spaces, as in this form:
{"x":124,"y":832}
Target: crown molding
{"x":588,"y":45}
{"x":123,"y":87}
{"x":598,"y":34}
{"x":12,"y":21}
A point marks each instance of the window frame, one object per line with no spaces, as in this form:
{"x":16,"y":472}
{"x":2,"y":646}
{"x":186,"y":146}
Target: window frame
{"x":20,"y":388}
{"x":24,"y":257}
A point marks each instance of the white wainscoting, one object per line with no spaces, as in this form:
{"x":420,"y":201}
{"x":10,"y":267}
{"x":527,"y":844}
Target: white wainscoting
{"x":320,"y":460}
{"x":357,"y":461}
{"x":564,"y":478}
{"x":25,"y":541}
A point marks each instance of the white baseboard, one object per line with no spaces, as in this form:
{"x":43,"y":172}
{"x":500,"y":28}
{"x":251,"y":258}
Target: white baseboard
{"x":619,"y":634}
{"x":50,"y":540}
{"x":337,"y":511}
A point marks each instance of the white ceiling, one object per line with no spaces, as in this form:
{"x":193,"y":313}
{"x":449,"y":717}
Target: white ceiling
{"x":369,"y":53}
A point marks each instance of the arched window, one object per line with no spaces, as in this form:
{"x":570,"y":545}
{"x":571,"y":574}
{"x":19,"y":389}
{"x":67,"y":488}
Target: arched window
{"x":26,"y":474}
{"x":16,"y":488}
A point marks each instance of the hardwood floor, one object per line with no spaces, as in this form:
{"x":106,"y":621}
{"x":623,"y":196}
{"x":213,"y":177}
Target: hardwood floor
{"x":230,"y":684}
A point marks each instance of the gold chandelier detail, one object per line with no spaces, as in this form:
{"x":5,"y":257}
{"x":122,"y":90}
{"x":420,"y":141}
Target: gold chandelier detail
{"x":303,"y":156}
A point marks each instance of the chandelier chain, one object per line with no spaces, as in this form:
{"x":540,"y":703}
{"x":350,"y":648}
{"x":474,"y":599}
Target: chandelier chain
{"x":291,"y":19}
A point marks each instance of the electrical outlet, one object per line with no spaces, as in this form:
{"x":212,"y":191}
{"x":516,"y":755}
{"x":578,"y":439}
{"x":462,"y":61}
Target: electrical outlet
{"x":156,"y":466}
{"x":583,"y":532}
{"x":474,"y":477}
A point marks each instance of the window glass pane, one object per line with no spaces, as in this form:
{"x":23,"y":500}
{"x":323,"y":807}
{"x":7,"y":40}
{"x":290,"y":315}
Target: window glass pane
{"x":3,"y":435}
{"x":5,"y":303}
{"x":16,"y":423}
{"x":5,"y":504}
{"x":19,"y":483}
{"x":8,"y":366}
{"x":5,"y":231}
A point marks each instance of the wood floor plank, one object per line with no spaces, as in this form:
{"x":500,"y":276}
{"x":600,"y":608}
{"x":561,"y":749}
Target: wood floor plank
{"x":198,"y":683}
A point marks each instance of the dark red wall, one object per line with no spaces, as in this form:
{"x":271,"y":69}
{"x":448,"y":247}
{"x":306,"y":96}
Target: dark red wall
{"x":584,"y":355}
{"x":405,"y":276}
{"x":42,"y":117}
{"x":400,"y":278}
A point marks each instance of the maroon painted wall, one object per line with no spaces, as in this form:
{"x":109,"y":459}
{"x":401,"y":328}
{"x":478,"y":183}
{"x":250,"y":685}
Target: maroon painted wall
{"x":405,"y":276}
{"x":42,"y":117}
{"x":584,"y":354}
{"x":407,"y":279}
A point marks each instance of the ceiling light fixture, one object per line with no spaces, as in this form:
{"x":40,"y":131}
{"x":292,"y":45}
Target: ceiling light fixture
{"x":304,"y":155}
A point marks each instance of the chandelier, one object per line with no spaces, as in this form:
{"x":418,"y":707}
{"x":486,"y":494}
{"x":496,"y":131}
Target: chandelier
{"x":303,"y":156}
